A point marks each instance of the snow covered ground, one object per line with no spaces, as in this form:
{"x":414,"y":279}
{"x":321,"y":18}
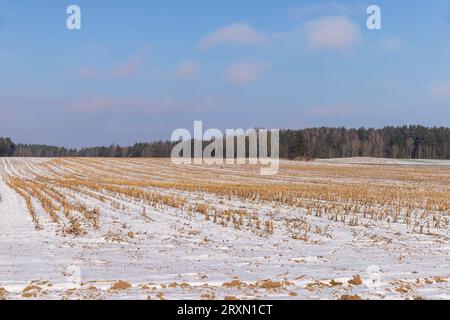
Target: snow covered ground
{"x":381,"y":161}
{"x":146,"y":229}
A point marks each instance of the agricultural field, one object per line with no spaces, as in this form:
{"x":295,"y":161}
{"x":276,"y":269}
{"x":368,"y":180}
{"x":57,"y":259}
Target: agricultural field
{"x":90,"y":228}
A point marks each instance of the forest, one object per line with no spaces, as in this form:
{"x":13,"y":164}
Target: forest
{"x":408,"y":142}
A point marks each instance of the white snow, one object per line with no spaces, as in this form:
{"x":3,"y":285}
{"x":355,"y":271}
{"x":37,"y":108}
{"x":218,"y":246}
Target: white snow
{"x":173,"y":254}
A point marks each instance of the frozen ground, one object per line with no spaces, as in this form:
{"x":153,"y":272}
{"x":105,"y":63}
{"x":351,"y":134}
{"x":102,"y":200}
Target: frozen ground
{"x":381,"y":161}
{"x":159,"y":249}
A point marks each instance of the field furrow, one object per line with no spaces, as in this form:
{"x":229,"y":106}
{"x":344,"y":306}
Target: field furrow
{"x":148,"y":229}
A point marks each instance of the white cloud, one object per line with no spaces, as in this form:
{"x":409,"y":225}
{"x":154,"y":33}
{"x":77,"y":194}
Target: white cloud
{"x":332,"y":33}
{"x":236,"y":33}
{"x":188,"y":69}
{"x":245,"y":71}
{"x":440,"y":90}
{"x":392,"y":44}
{"x":131,"y":67}
{"x":213,"y":102}
{"x":127,"y":69}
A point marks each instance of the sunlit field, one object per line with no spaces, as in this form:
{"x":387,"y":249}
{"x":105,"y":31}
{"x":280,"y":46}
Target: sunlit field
{"x":96,"y":228}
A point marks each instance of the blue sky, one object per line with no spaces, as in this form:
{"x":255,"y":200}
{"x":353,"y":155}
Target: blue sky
{"x":138,"y":70}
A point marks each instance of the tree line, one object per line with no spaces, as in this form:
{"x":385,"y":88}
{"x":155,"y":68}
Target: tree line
{"x":409,"y":142}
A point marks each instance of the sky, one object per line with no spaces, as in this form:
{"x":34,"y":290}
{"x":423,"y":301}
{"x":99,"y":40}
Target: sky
{"x":138,"y":70}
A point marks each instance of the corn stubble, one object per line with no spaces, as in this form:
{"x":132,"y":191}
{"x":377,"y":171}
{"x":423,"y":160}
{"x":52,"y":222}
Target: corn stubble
{"x":318,"y":196}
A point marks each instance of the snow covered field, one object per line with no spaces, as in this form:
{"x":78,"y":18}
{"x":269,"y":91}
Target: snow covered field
{"x":381,"y":161}
{"x":147,"y":229}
